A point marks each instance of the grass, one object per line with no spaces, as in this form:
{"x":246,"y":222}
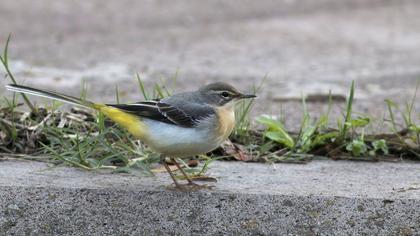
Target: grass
{"x":87,"y":140}
{"x":348,"y":140}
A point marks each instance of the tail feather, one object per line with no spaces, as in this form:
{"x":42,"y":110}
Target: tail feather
{"x":127,"y":120}
{"x":51,"y":95}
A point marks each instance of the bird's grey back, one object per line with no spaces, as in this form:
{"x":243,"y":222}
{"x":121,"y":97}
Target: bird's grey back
{"x":191,"y":103}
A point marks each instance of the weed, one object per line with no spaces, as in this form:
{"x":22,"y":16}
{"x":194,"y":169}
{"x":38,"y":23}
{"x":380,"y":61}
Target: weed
{"x":348,"y":138}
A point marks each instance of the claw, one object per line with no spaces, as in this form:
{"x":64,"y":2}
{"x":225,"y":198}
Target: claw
{"x":190,"y":186}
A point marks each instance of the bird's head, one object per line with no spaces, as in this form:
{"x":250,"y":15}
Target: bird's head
{"x":222,"y":94}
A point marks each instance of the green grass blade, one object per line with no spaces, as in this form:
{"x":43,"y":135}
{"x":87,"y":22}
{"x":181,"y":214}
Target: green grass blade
{"x":142,"y":87}
{"x":390,"y":104}
{"x":159,"y":91}
{"x":349,"y":110}
{"x":117,"y":94}
{"x":101,"y":122}
{"x":242,"y":122}
{"x":5,"y":61}
{"x":409,"y":107}
{"x":83,"y":92}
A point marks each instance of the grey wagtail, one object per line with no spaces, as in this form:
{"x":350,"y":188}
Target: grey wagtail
{"x":182,"y":125}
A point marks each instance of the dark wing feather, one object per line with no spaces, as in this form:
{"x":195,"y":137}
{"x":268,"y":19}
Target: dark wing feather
{"x":177,"y":115}
{"x":185,"y":115}
{"x":144,"y":109}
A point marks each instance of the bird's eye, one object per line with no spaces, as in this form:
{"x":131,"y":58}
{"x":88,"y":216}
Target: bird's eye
{"x":225,"y":94}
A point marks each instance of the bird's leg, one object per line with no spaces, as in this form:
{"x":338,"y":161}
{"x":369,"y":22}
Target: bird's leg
{"x":177,"y":185}
{"x":190,"y":182}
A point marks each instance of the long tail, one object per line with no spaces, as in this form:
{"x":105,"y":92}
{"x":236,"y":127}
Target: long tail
{"x":129,"y":121}
{"x":51,"y":95}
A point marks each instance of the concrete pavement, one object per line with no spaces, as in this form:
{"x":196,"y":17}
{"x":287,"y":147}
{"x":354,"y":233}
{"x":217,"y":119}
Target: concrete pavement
{"x":319,"y":198}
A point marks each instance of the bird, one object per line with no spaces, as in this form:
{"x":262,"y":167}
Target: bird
{"x":182,"y":125}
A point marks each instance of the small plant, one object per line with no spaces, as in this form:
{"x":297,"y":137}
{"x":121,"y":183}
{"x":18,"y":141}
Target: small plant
{"x":347,"y":139}
{"x":311,"y":134}
{"x":357,"y":147}
{"x":275,"y":131}
{"x":379,"y":146}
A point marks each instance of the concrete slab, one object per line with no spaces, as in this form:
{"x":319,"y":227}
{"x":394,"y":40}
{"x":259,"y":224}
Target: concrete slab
{"x":322,"y":198}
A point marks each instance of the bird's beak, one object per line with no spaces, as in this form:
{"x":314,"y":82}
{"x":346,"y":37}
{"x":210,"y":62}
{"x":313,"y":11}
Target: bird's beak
{"x":242,"y":96}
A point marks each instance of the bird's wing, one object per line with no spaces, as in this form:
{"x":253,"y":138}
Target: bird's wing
{"x":186,"y":115}
{"x":147,"y":109}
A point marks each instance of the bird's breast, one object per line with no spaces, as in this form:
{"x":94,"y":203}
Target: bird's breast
{"x":226,"y":121}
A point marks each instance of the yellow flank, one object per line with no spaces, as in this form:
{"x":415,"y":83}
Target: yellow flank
{"x":132,"y":123}
{"x":226,"y":115}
